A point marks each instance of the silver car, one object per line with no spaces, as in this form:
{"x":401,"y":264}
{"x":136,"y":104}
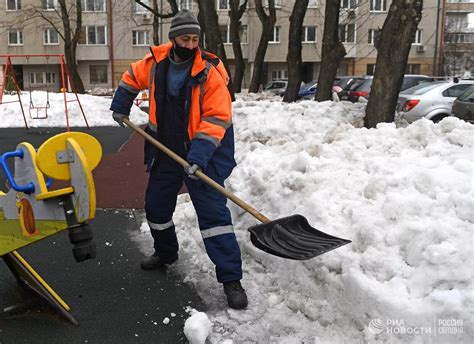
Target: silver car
{"x":277,"y":87}
{"x":430,"y":100}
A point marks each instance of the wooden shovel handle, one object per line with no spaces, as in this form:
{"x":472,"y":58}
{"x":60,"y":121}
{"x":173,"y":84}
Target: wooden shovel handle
{"x":198,"y":173}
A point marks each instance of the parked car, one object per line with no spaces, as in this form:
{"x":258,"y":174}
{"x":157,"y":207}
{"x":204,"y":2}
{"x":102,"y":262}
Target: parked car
{"x":277,"y":87}
{"x":341,"y":82}
{"x":430,"y":100}
{"x":307,"y":90}
{"x":355,"y":80}
{"x":463,"y":106}
{"x":362,"y":89}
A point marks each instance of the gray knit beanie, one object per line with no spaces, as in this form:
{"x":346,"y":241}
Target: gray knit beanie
{"x":183,"y":23}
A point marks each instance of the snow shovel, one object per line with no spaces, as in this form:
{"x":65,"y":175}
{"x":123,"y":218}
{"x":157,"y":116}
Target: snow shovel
{"x":290,"y":237}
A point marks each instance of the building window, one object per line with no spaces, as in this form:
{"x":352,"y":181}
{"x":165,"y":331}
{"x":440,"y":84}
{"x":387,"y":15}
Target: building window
{"x":15,"y":37}
{"x":378,"y":5}
{"x":140,"y":38}
{"x":50,"y":37}
{"x":373,"y":36}
{"x":276,"y":35}
{"x":418,"y":37}
{"x":279,"y":74}
{"x":42,"y":78}
{"x":98,"y":74}
{"x":370,"y":69}
{"x":413,"y":68}
{"x":460,"y":38}
{"x":93,"y":5}
{"x":93,"y":35}
{"x":185,"y":5}
{"x":349,"y":4}
{"x":36,"y":78}
{"x":48,"y":5}
{"x":309,"y":34}
{"x":276,"y":2}
{"x":222,"y":4}
{"x":347,"y":33}
{"x":312,"y":3}
{"x":139,"y":9}
{"x":13,"y":5}
{"x":225,"y":34}
{"x":50,"y":78}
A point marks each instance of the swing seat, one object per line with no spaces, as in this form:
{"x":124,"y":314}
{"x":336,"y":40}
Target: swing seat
{"x":38,"y":108}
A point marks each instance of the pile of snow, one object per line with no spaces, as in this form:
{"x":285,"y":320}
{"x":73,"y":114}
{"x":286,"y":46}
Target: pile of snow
{"x":403,"y":196}
{"x":197,"y":327}
{"x":96,"y":110}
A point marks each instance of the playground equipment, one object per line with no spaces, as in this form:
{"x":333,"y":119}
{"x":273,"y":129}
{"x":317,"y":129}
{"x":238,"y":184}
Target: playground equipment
{"x":39,"y":109}
{"x":35,"y":110}
{"x":30,"y":211}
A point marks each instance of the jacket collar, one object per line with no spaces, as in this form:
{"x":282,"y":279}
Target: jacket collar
{"x":161,"y":52}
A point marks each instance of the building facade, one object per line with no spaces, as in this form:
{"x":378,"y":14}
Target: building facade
{"x":458,"y":46}
{"x":115,"y":33}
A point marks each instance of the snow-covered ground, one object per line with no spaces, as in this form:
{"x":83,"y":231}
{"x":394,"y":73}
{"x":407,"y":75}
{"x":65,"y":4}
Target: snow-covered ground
{"x":96,"y":110}
{"x":404,"y":196}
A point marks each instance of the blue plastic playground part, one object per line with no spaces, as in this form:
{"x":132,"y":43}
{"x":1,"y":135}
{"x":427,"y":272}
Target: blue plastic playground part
{"x":28,"y":188}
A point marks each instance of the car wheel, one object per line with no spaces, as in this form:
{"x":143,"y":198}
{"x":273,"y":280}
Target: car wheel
{"x":438,"y":118}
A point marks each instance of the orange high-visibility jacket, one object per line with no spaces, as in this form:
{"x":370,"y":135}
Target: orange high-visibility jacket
{"x":210,"y":111}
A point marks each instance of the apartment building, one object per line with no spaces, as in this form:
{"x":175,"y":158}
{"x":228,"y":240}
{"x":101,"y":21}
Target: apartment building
{"x":115,"y":33}
{"x":458,"y":47}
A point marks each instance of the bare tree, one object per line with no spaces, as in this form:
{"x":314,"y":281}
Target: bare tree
{"x":293,"y":59}
{"x":333,"y":51}
{"x":237,"y":9}
{"x":67,"y":22}
{"x":398,"y":33}
{"x":158,"y":15}
{"x":210,"y":24}
{"x":268,"y":24}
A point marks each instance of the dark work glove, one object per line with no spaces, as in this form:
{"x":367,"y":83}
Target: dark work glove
{"x":191,"y":170}
{"x":118,"y":117}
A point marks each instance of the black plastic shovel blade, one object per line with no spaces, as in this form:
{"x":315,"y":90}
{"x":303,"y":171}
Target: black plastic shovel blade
{"x":293,"y":238}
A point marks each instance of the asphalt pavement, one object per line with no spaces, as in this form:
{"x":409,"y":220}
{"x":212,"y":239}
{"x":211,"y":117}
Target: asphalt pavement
{"x":113,"y":300}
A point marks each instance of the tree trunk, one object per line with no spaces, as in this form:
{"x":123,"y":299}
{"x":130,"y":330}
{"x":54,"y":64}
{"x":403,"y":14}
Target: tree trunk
{"x":268,"y":23}
{"x":235,"y":14}
{"x":210,"y":23}
{"x":156,"y":24}
{"x":333,"y":51}
{"x":70,"y":43}
{"x":293,"y":59}
{"x":398,"y":33}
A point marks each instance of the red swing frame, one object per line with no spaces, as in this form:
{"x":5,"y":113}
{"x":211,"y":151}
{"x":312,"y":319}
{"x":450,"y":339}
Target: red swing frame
{"x":65,"y":78}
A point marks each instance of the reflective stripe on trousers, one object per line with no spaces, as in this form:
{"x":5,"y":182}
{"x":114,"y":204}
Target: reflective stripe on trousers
{"x":214,"y":217}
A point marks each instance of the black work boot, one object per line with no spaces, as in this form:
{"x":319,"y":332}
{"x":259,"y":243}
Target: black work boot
{"x":154,"y":262}
{"x":236,"y":297}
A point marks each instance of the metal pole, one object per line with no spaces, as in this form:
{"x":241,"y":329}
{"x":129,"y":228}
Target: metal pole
{"x":63,"y":82}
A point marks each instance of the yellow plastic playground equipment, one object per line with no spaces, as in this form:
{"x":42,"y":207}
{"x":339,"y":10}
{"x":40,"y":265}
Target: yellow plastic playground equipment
{"x":30,"y":211}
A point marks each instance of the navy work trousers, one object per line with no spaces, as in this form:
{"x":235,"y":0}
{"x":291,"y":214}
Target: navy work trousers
{"x":215,"y":223}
